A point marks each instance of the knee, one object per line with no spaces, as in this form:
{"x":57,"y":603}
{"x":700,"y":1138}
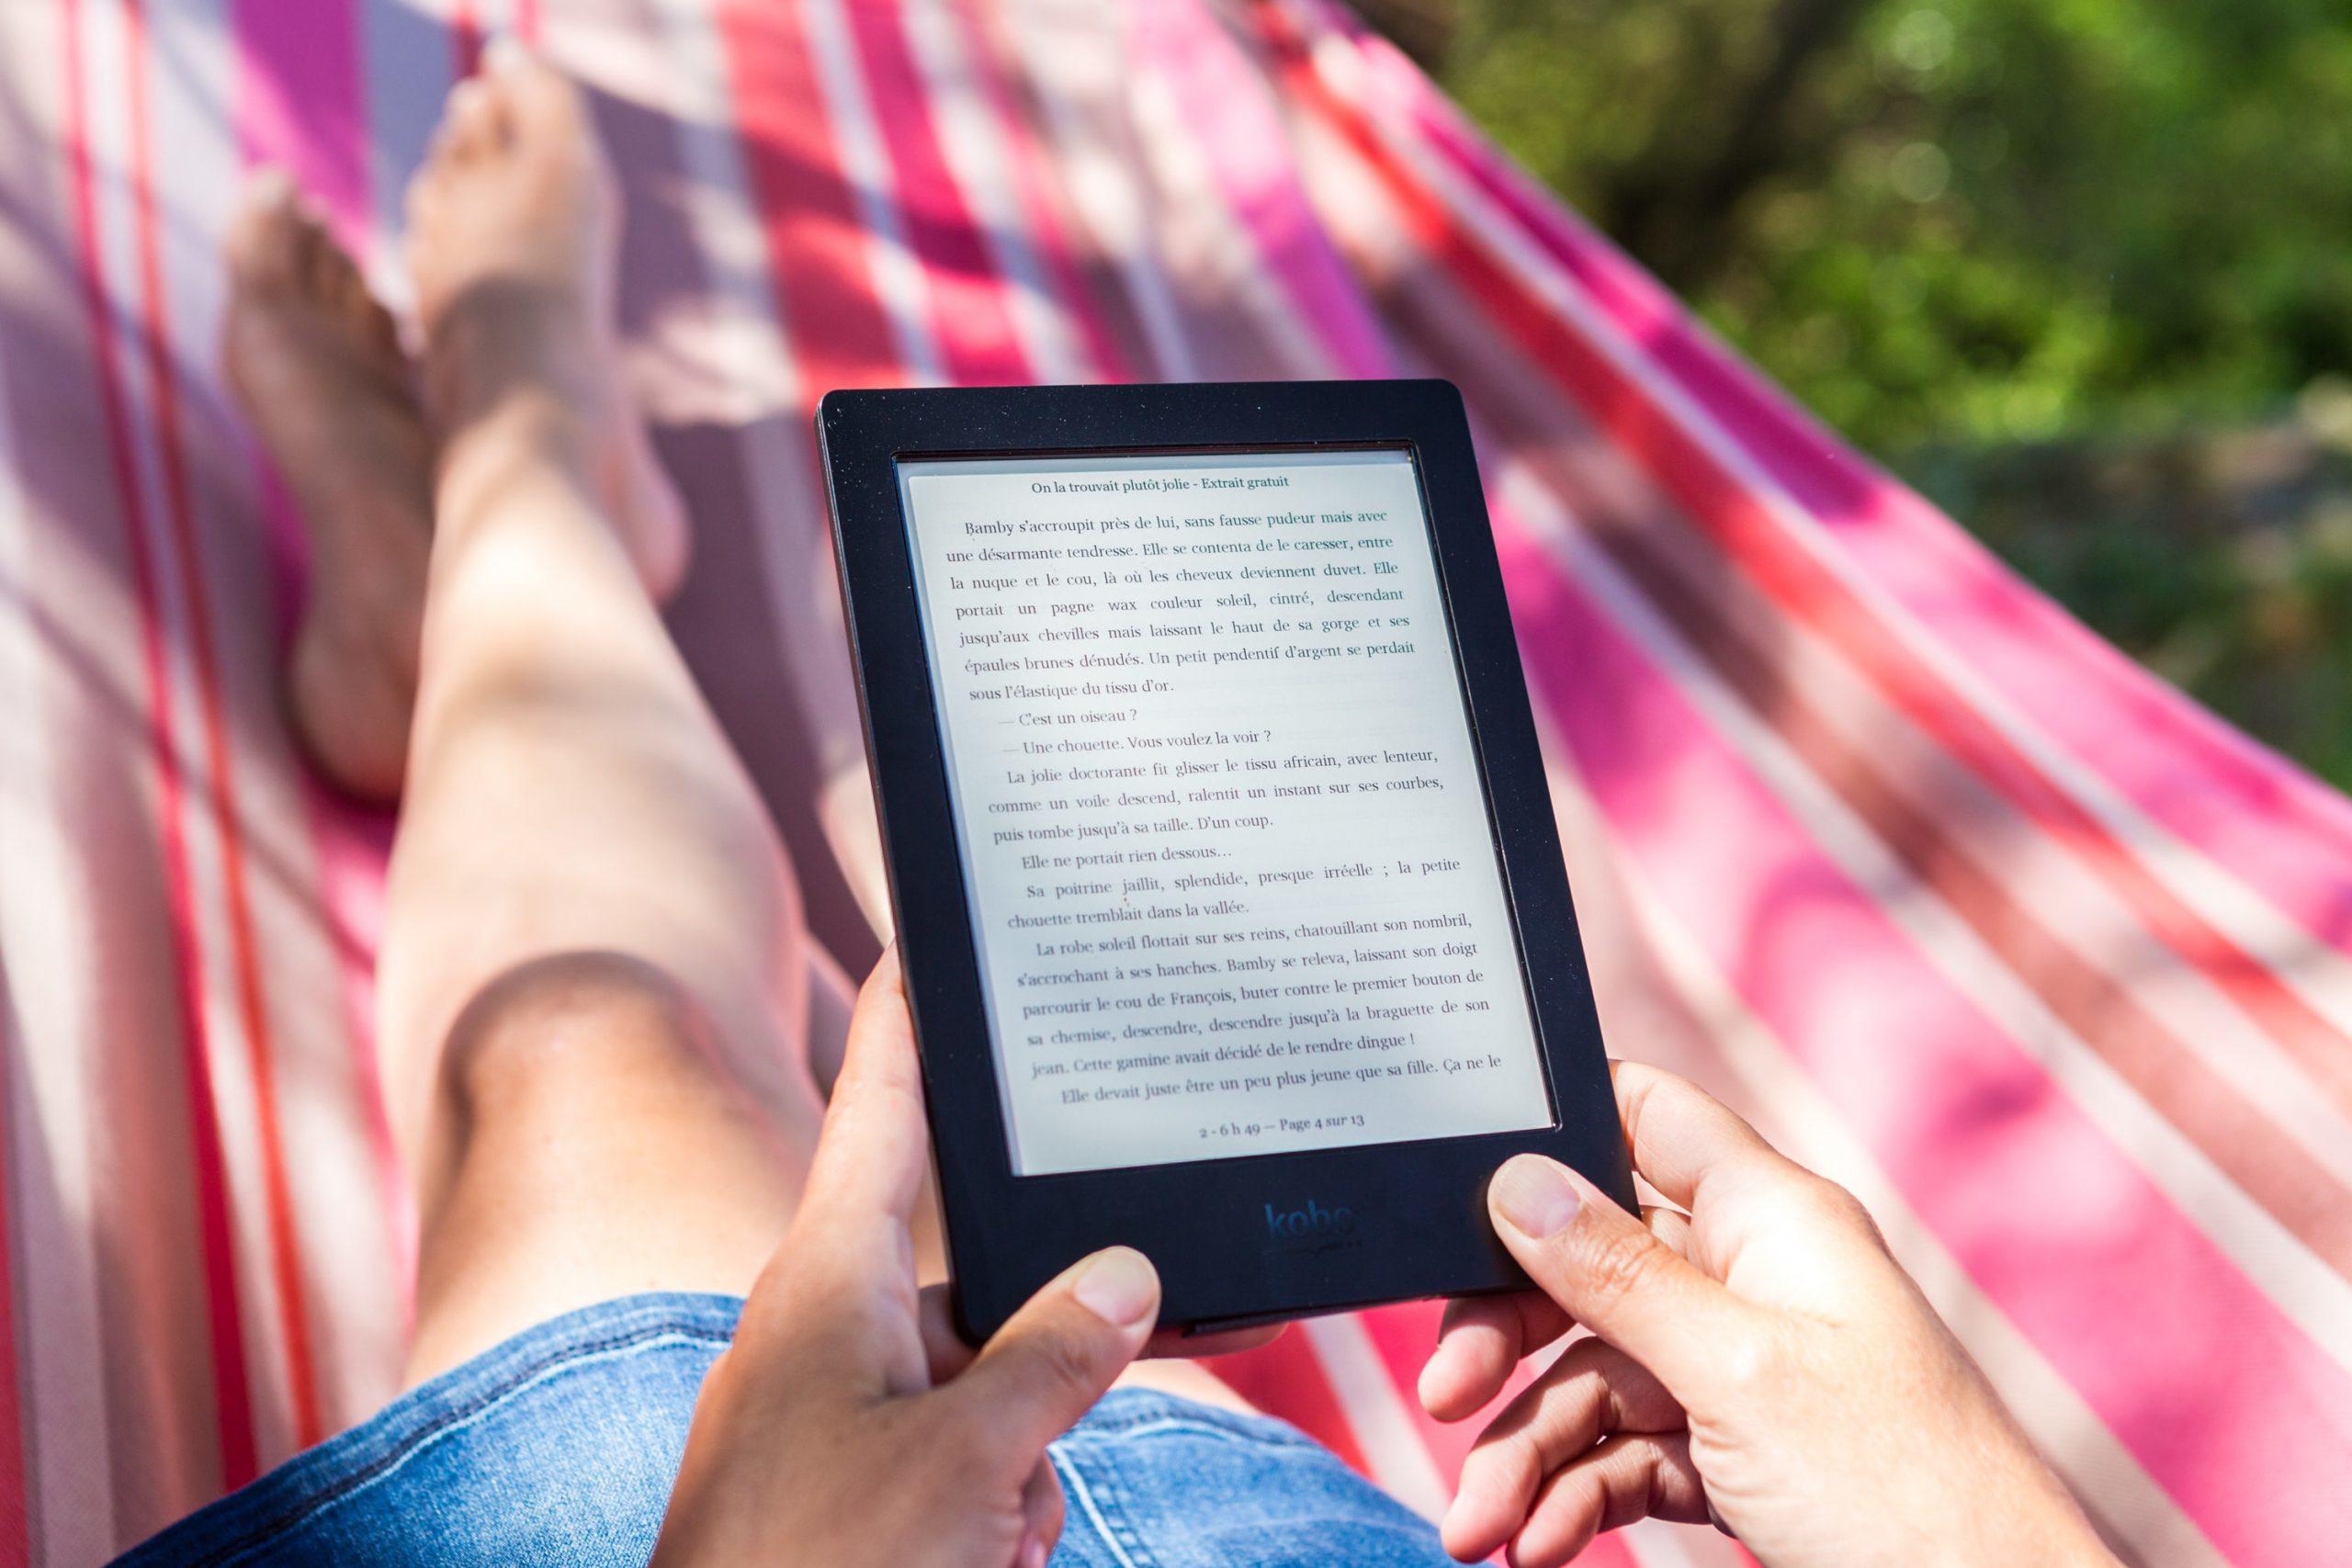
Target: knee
{"x":570,"y":1026}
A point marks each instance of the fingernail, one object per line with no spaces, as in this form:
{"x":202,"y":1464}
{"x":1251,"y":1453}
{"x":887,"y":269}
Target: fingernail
{"x":1033,"y":1554}
{"x":1535,"y":1196}
{"x":1119,"y":1286}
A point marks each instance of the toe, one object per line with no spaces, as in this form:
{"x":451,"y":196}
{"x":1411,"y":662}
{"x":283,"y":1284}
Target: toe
{"x":265,"y":241}
{"x":328,"y":274}
{"x":476,"y":121}
{"x":343,"y":290}
{"x":326,"y":268}
{"x":543,"y":103}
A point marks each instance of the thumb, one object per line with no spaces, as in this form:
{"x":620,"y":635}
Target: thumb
{"x":1060,"y":1353}
{"x":1605,"y":1267}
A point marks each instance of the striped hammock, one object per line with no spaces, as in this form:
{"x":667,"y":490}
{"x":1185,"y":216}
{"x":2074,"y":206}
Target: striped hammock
{"x":2048,"y":966}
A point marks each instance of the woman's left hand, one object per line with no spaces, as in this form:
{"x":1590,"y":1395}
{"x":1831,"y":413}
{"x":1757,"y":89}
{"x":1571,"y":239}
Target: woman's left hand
{"x":847,"y":1424}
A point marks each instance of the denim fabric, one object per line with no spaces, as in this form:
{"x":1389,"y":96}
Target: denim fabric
{"x":1154,"y":1482}
{"x":559,"y":1447}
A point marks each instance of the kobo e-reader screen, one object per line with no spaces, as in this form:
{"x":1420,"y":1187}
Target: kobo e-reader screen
{"x":1233,"y":881}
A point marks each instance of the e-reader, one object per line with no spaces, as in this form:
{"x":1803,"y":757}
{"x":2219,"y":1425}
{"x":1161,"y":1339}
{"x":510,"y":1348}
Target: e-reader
{"x":1228,"y":891}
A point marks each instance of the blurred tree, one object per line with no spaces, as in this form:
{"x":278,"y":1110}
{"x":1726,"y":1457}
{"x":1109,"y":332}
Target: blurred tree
{"x":1945,"y":220}
{"x":2080,"y":268}
{"x":1422,"y":29}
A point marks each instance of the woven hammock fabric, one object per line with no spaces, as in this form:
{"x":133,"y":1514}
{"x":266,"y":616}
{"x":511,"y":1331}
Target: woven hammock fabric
{"x":2049,"y":967}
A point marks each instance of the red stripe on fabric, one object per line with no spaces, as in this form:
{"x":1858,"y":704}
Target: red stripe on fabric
{"x":233,"y":1406}
{"x":252,"y":1006}
{"x":825,"y":296}
{"x":969,"y":320}
{"x":465,"y":38}
{"x":1747,"y":531}
{"x":1287,"y":1378}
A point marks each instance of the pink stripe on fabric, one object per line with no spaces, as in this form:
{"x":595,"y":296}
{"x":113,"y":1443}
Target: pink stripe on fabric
{"x":2228,"y":1406}
{"x":970,"y":317}
{"x":2279,"y":830}
{"x":1228,"y":107}
{"x":298,"y":101}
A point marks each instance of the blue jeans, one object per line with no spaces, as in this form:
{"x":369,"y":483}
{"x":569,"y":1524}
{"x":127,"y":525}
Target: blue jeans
{"x":559,"y":1447}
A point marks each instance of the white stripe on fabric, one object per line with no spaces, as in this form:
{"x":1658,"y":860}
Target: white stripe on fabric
{"x":751,"y":375}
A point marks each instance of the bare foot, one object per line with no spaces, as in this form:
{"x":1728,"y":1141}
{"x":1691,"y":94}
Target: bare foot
{"x":318,"y":367}
{"x":515,"y":224}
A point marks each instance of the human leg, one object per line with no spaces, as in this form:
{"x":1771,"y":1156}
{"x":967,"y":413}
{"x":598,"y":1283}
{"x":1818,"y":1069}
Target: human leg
{"x":592,"y":989}
{"x":593,"y":995}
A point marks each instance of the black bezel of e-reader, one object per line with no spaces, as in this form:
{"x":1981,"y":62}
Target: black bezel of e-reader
{"x":1219,"y":1230}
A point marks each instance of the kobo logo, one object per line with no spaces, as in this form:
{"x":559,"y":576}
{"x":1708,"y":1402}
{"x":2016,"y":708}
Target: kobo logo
{"x":1332,"y":1227}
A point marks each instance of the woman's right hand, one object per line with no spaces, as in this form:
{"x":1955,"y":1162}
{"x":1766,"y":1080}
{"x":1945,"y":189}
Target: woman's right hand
{"x":1756,"y":1357}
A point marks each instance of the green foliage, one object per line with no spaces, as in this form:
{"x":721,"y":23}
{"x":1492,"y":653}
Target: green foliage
{"x":1961,"y":219}
{"x":2082,"y":269}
